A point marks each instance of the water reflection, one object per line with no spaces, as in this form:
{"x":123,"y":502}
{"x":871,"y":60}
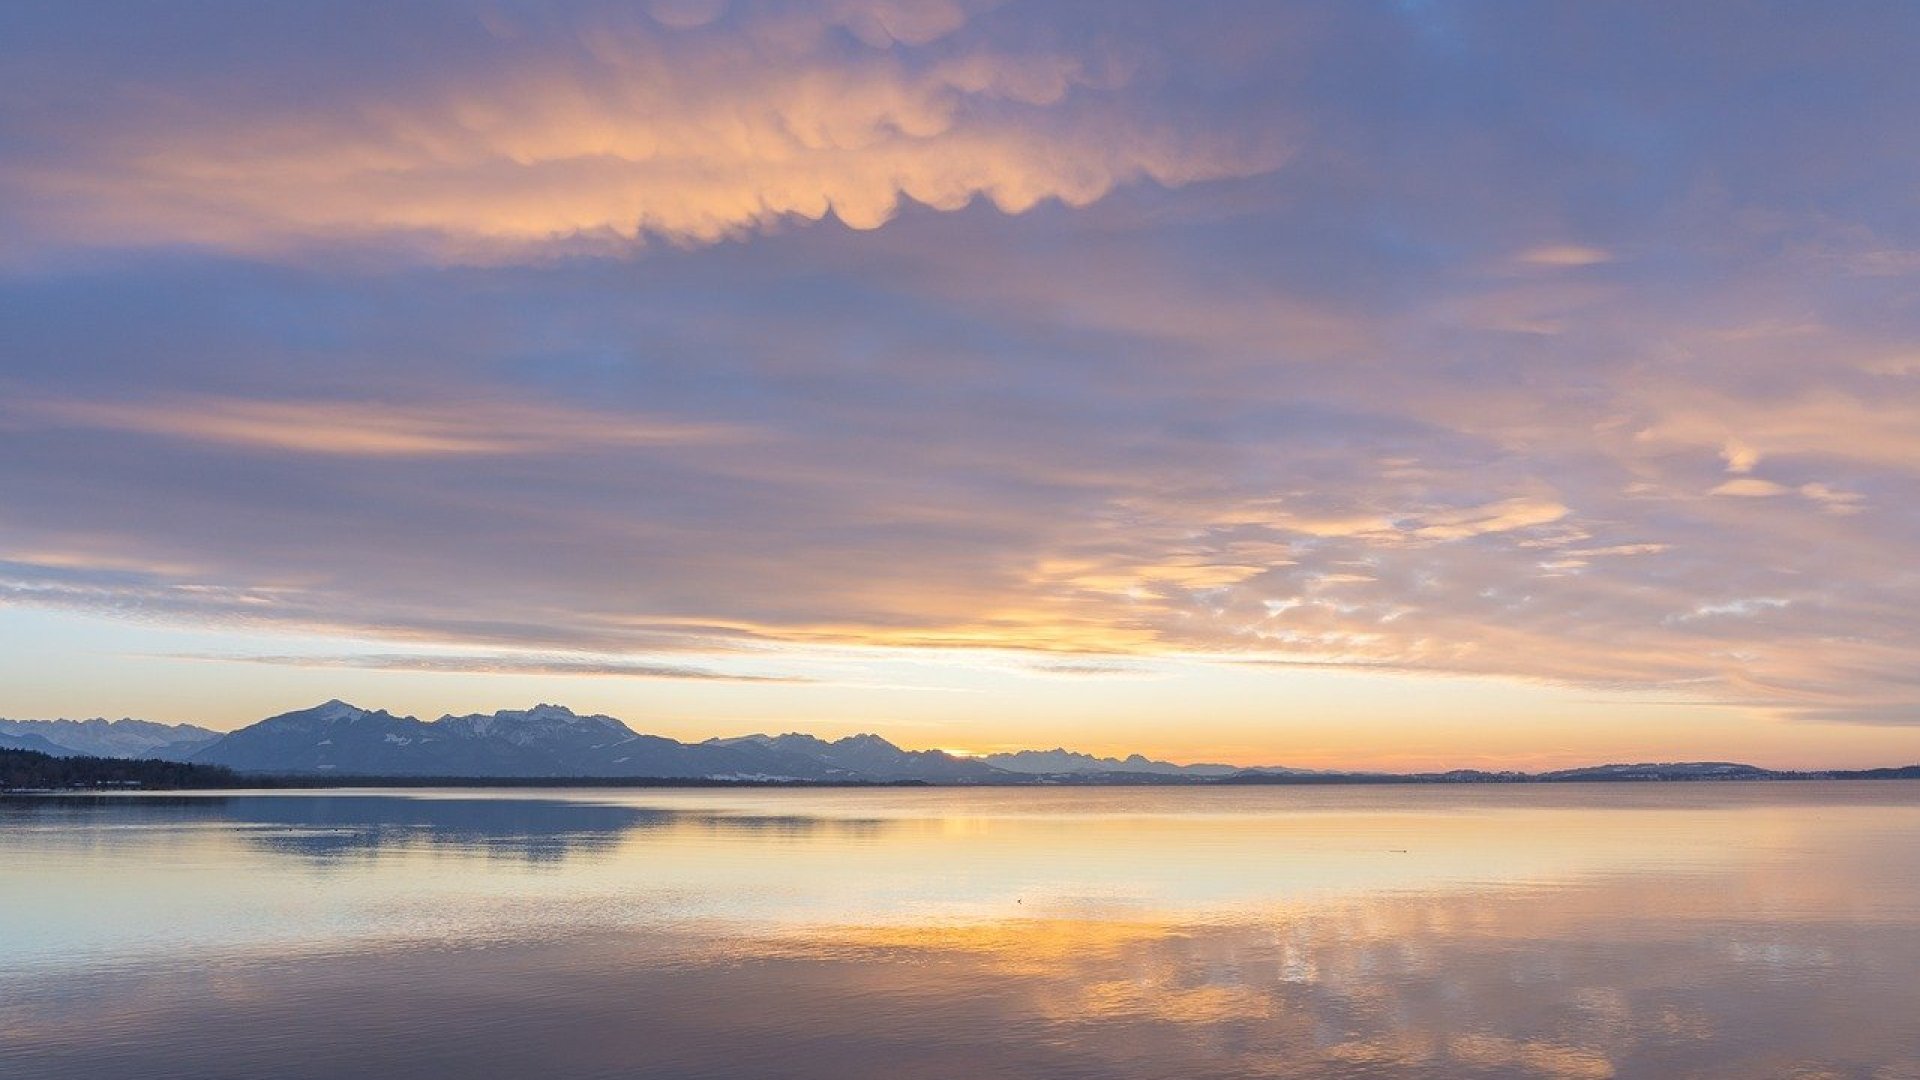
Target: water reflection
{"x":330,"y":827}
{"x":1394,"y":987}
{"x":350,"y":826}
{"x":986,"y":936}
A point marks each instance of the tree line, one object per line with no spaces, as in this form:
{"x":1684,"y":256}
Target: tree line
{"x":30,"y":769}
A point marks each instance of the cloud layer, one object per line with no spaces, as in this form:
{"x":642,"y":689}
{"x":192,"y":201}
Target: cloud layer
{"x":598,"y":128}
{"x":1558,"y":346}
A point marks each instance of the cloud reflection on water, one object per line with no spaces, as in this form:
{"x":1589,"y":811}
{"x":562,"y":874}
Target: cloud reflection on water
{"x":1736,"y":932}
{"x":1465,"y":985}
{"x":330,"y":826}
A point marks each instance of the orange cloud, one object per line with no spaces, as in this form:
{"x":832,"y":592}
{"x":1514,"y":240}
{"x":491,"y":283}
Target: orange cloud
{"x":630,"y":132}
{"x":1506,"y":515}
{"x":1749,"y":487}
{"x":1565,"y":255}
{"x":371,"y":429}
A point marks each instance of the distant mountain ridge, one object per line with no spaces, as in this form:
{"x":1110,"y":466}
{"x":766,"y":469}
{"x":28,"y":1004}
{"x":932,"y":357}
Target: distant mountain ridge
{"x":1060,"y":760}
{"x":36,"y":743}
{"x":868,"y":756}
{"x":553,"y":742}
{"x":99,"y":737}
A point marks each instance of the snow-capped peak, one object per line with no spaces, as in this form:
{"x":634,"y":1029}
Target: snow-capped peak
{"x":330,"y":711}
{"x":524,"y":726}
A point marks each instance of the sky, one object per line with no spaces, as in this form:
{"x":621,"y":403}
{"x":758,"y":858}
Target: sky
{"x":1401,"y":384}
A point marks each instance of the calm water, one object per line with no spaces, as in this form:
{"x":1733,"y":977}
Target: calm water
{"x":1728,"y":930}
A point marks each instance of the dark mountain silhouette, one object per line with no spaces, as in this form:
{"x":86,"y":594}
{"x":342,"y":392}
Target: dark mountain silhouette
{"x":553,"y":743}
{"x":1682,"y":770}
{"x":551,"y":740}
{"x":1061,"y":760}
{"x":870,"y":757}
{"x":547,"y":740}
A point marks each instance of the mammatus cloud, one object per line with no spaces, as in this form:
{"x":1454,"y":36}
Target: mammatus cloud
{"x":604,"y":129}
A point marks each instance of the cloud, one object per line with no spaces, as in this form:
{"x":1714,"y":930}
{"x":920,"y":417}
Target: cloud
{"x":1890,"y":714}
{"x":1314,"y":415}
{"x":1101,"y":670}
{"x":1565,"y":255}
{"x":1506,"y":515}
{"x":369,"y":429}
{"x":602,"y":667}
{"x":686,"y":14}
{"x":1750,"y":487}
{"x":1740,"y":457}
{"x":1831,"y":500}
{"x":1882,"y":430}
{"x":600,"y":130}
{"x":1742,"y":608}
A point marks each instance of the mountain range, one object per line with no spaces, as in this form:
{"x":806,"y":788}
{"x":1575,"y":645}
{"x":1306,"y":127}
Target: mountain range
{"x":549,"y":741}
{"x":106,"y":738}
{"x":554,"y":742}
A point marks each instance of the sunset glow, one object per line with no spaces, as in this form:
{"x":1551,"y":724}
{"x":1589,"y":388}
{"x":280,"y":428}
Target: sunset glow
{"x":1398,"y":385}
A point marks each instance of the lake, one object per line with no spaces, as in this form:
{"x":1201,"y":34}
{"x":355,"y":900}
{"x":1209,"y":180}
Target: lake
{"x":1590,"y":930}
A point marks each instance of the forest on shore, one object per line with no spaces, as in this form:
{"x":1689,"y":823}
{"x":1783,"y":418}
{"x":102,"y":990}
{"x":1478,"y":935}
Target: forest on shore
{"x":31,"y":770}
